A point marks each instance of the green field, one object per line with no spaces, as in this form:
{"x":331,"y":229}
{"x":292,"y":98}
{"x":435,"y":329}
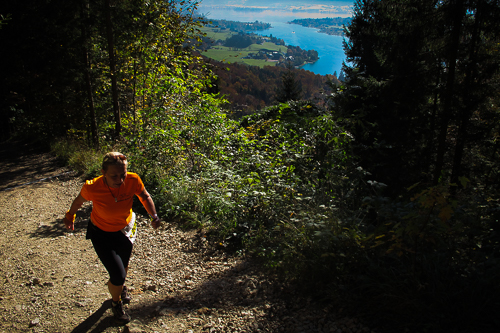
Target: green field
{"x":232,"y":55}
{"x":226,"y":54}
{"x":216,"y":33}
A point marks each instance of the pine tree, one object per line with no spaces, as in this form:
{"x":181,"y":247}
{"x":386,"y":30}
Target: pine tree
{"x":417,"y":72}
{"x":388,"y":85}
{"x":290,"y":88}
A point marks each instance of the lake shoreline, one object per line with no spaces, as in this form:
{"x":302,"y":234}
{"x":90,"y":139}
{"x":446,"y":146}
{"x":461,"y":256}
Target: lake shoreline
{"x":329,"y":47}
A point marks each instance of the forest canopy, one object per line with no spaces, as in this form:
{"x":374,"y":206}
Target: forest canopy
{"x":237,"y":26}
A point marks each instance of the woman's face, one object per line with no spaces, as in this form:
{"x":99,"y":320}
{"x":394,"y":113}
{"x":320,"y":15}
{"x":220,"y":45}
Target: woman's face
{"x":115,"y":175}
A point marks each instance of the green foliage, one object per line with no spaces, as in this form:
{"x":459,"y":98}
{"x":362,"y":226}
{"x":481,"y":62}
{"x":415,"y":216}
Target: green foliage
{"x":419,"y":258}
{"x":4,"y":19}
{"x":290,"y":88}
{"x":78,"y":156}
{"x":239,"y":26}
{"x":271,"y":185}
{"x":275,"y":176}
{"x":240,"y":41}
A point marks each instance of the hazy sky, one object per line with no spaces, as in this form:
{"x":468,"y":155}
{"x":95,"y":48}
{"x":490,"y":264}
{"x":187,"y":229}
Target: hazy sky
{"x":278,"y":4}
{"x":263,"y":9}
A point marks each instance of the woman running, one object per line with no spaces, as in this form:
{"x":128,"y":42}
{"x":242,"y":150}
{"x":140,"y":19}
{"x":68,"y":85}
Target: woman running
{"x":112,"y":227}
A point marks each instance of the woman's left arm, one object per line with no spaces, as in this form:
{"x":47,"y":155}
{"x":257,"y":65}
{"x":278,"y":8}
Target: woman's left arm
{"x":148,"y":203}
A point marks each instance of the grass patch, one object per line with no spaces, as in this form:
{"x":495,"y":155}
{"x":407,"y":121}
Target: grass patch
{"x":269,"y":46}
{"x":229,"y":54}
{"x":216,"y":33}
{"x":232,"y":55}
{"x":222,"y":53}
{"x":78,"y":157}
{"x":258,"y":62}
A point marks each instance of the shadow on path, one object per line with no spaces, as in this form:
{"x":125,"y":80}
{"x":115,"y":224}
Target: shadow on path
{"x":57,"y":228}
{"x":89,"y":324}
{"x":23,"y":163}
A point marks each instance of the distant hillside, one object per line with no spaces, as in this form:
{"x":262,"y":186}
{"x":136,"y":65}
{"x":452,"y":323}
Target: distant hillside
{"x":330,"y":26}
{"x":250,"y":88}
{"x":336,"y":7}
{"x":238,"y":26}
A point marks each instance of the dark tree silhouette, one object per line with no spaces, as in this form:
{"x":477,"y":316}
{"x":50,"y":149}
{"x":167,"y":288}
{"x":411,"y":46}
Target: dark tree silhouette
{"x":290,"y":88}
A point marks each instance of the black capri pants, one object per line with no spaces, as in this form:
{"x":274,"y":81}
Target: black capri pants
{"x":113,"y":249}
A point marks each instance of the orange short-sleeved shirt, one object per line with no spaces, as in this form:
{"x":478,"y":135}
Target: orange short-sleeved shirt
{"x":107,"y":214}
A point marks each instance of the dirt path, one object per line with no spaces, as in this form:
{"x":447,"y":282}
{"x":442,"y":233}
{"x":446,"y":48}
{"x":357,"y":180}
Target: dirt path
{"x":52,"y":281}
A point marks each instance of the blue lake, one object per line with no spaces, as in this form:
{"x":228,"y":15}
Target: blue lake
{"x":330,"y":50}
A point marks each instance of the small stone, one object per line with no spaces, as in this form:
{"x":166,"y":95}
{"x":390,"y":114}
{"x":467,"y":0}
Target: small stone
{"x":35,"y":322}
{"x":203,"y":310}
{"x":135,"y":326}
{"x":36,"y":281}
{"x":153,"y":287}
{"x":48,"y":284}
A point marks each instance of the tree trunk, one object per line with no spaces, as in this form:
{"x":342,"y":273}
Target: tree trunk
{"x":469,"y":105}
{"x":88,"y":82}
{"x":112,"y":70}
{"x":133,"y":98}
{"x":458,"y":13}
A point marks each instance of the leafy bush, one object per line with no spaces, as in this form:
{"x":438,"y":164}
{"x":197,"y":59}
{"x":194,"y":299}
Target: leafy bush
{"x":78,"y":156}
{"x":272,"y":185}
{"x":429,"y":261}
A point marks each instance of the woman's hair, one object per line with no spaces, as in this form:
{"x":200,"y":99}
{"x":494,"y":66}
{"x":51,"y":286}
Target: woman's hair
{"x":113,"y":158}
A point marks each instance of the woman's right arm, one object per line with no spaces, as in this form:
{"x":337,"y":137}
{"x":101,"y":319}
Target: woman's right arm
{"x":69,"y":218}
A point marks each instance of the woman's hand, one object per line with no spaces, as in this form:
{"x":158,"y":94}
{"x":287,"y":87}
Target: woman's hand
{"x":69,"y":225}
{"x":148,"y":203}
{"x":69,"y":219}
{"x":155,"y":221}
